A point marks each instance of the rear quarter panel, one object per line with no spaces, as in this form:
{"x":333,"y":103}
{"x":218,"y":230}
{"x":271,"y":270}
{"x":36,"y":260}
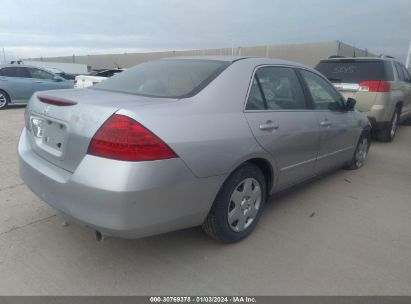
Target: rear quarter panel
{"x":208,"y":131}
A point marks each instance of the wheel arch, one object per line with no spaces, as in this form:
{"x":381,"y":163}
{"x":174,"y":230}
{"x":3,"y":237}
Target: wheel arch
{"x":267,"y":170}
{"x":264,"y":165}
{"x":5,"y":92}
{"x":7,"y":95}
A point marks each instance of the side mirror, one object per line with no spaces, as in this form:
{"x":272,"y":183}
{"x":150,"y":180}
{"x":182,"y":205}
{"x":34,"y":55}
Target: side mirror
{"x":57,"y":79}
{"x":349,"y":106}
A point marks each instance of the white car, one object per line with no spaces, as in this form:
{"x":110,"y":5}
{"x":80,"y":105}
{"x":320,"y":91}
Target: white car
{"x":84,"y":81}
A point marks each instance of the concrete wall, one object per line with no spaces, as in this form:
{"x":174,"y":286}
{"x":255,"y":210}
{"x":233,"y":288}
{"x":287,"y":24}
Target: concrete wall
{"x":69,"y":68}
{"x":307,"y":53}
{"x":347,"y":50}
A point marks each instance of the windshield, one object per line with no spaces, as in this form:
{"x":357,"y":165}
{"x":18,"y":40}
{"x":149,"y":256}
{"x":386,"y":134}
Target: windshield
{"x":352,"y":71}
{"x":165,"y":78}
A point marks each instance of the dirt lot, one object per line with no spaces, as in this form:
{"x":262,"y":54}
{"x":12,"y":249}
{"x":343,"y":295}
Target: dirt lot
{"x":348,"y":233}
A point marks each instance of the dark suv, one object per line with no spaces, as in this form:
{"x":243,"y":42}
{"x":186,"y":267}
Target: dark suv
{"x":381,"y":86}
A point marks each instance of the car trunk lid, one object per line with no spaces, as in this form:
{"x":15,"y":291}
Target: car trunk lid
{"x":62,"y":123}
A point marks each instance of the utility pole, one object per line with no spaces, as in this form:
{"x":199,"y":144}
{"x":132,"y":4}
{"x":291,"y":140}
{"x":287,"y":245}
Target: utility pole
{"x":4,"y":56}
{"x":407,"y":63}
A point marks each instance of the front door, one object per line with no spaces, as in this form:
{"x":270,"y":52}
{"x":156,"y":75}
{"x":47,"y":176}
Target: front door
{"x":338,"y":127}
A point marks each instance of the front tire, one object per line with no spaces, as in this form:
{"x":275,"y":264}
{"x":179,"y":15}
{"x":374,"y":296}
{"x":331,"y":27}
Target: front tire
{"x":360,"y":153}
{"x":4,"y":100}
{"x":238,"y":205}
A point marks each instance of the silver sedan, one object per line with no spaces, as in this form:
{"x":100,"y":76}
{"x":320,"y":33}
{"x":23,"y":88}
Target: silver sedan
{"x":182,"y":142}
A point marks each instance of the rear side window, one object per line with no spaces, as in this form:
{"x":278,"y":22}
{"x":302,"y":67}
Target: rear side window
{"x":19,"y":72}
{"x":353,"y":71}
{"x":276,"y":88}
{"x":165,"y":78}
{"x":255,"y":99}
{"x":406,"y":73}
{"x":400,"y":72}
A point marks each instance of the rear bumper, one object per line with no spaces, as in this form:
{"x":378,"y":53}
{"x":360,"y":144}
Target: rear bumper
{"x":380,"y":118}
{"x":124,"y":199}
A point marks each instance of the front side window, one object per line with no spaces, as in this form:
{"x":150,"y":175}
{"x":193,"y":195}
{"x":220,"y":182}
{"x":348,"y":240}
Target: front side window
{"x":40,"y":74}
{"x":323,"y":94}
{"x":276,"y":88}
{"x":18,"y":72}
{"x":165,"y":78}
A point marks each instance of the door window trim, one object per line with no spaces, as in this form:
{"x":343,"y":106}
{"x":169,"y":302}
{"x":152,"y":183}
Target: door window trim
{"x":245,"y":110}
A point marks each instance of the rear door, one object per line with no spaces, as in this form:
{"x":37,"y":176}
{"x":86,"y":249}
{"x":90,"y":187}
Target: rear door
{"x":281,"y":122}
{"x":339,"y":129}
{"x":16,"y":82}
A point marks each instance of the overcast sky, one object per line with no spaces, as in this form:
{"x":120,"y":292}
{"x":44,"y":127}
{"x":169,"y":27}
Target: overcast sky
{"x":61,"y":27}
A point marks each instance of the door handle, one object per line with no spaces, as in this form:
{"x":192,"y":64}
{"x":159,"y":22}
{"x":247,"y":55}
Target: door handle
{"x":38,"y":81}
{"x":325,"y":123}
{"x":269,"y":126}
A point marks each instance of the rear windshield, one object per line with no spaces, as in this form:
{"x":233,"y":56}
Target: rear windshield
{"x":165,"y":78}
{"x":354,"y":71}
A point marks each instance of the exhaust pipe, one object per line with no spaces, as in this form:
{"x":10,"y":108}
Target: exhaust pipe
{"x":99,"y":236}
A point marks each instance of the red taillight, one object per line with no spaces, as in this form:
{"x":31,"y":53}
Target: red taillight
{"x":384,"y":86}
{"x":123,"y":138}
{"x":55,"y":101}
{"x":375,"y":86}
{"x":94,"y":82}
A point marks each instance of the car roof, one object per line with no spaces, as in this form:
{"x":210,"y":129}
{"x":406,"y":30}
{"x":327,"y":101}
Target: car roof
{"x":256,"y":60}
{"x":226,"y":58}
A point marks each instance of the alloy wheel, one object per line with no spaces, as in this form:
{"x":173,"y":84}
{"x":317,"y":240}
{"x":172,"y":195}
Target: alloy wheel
{"x":361,"y":152}
{"x":244,"y":204}
{"x":3,"y":100}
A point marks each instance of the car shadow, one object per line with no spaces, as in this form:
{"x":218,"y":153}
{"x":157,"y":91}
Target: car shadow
{"x":14,"y":107}
{"x":187,"y":239}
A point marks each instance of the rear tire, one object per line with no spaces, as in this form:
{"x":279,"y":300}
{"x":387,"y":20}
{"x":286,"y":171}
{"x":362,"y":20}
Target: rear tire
{"x":360,"y":152}
{"x":238,"y":205}
{"x":388,"y":134}
{"x":4,"y":100}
